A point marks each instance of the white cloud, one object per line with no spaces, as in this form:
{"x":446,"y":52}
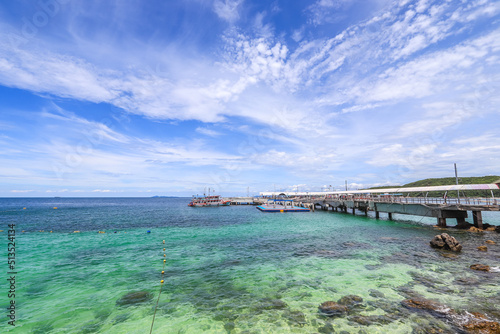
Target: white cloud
{"x":228,"y":9}
{"x":208,"y":132}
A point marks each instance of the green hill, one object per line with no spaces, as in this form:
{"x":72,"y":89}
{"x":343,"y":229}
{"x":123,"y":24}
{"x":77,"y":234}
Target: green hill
{"x":451,"y":180}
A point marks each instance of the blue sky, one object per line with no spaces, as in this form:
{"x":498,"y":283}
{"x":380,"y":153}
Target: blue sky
{"x":142,"y":98}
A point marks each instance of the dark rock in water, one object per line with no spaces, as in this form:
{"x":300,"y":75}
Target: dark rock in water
{"x":425,"y":280}
{"x":295,"y":318}
{"x":120,"y":318}
{"x":425,"y":305}
{"x":480,"y":267}
{"x":376,"y":294}
{"x":438,"y":242}
{"x":367,"y":320}
{"x":350,"y":301}
{"x":229,"y":326}
{"x":90,"y":327}
{"x":466,"y":281}
{"x":225,"y":316}
{"x":407,"y":291}
{"x":386,"y":305}
{"x":480,"y":324}
{"x":361,"y":319}
{"x":469,"y":322}
{"x":327,"y":329}
{"x":272,"y":304}
{"x":373,"y":266}
{"x":445,"y":241}
{"x":433,"y":329}
{"x":133,"y":298}
{"x":332,"y":309}
{"x":102,"y":314}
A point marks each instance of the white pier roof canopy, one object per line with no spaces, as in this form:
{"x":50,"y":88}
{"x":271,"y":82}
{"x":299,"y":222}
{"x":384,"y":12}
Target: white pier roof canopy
{"x":460,"y":187}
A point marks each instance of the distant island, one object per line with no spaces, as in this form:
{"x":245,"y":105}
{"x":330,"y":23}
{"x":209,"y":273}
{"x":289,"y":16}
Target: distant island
{"x":157,"y":196}
{"x":451,"y":180}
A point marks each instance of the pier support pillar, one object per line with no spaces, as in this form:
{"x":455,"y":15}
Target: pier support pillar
{"x":366,"y":211}
{"x":377,"y":214}
{"x":390,"y":215}
{"x":477,"y":216}
{"x":441,"y":222}
{"x":461,"y":223}
{"x":353,"y":211}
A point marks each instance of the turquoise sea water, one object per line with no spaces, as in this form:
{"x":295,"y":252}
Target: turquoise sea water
{"x":232,"y":269}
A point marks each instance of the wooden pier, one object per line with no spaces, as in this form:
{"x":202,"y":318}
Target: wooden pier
{"x":383,"y":200}
{"x":241,"y":200}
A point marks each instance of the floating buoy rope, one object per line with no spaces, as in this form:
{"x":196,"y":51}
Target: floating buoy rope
{"x":161,"y":286}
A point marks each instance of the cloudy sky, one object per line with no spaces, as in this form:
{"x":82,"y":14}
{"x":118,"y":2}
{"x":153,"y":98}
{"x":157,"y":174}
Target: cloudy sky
{"x":142,"y":98}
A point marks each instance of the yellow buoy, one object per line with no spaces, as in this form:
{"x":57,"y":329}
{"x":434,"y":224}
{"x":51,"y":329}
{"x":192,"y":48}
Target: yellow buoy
{"x":164,"y":255}
{"x":50,"y":231}
{"x":55,"y":207}
{"x":164,"y":261}
{"x":163,"y":241}
{"x":24,"y":208}
{"x":161,"y":281}
{"x":76,"y":232}
{"x":163,"y":272}
{"x":282,"y":211}
{"x":163,"y":249}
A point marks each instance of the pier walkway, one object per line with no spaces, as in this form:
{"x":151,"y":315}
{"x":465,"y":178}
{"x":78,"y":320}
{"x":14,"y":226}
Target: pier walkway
{"x":391,"y":200}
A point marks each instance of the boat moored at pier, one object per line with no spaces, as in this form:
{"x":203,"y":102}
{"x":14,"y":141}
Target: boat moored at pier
{"x":207,"y":201}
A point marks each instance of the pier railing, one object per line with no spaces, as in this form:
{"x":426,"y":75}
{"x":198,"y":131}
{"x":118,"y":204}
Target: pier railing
{"x":410,"y":200}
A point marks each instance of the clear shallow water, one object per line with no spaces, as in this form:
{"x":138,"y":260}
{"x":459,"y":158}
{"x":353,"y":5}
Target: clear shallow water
{"x":232,"y":269}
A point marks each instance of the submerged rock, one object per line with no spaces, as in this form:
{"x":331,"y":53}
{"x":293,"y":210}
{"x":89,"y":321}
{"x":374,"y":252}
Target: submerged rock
{"x":475,"y":229}
{"x":480,"y":267}
{"x":332,"y":309}
{"x":445,"y":241}
{"x":133,"y":298}
{"x":376,"y":294}
{"x":361,"y":319}
{"x":476,"y":323}
{"x":350,"y":301}
{"x":482,"y":248}
{"x":491,"y":242}
{"x":466,"y":281}
{"x":272,"y":304}
{"x":295,"y":318}
{"x":326,"y":329}
{"x":367,"y":320}
{"x":449,"y":255}
{"x":469,"y":322}
{"x":229,"y":326}
{"x":425,"y":305}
